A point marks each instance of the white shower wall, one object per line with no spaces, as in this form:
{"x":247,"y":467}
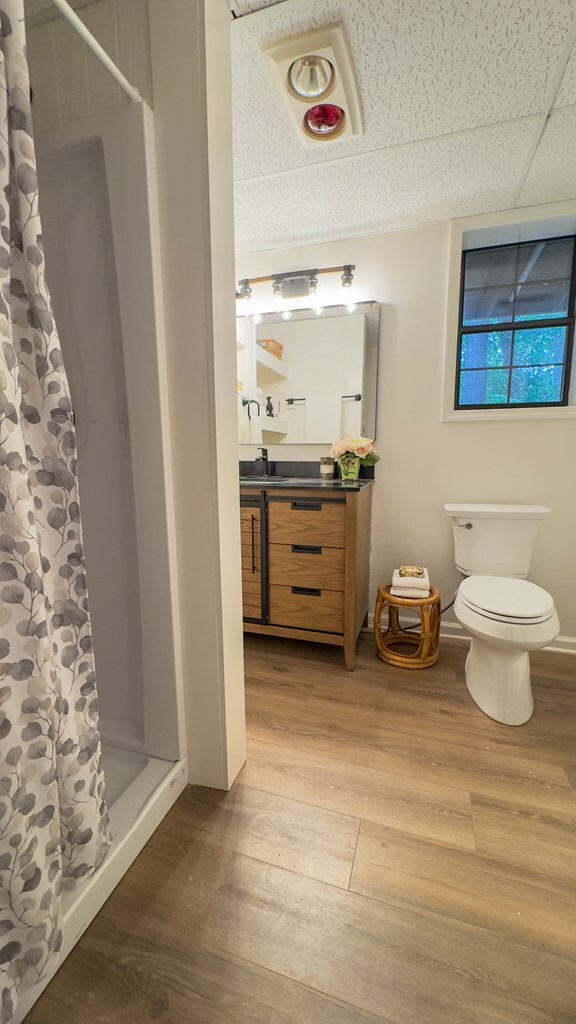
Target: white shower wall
{"x":81,"y":270}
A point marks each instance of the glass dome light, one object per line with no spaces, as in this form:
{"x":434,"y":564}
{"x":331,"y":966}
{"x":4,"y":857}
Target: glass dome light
{"x":310,"y":77}
{"x":324,"y":120}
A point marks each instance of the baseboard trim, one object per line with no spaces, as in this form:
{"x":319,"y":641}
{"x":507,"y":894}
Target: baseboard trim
{"x":454,"y":631}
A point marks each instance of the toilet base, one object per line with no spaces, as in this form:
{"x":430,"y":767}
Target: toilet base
{"x":498,"y":681}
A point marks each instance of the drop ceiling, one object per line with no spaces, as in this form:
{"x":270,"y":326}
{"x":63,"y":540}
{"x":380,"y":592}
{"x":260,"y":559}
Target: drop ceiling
{"x":468,"y":107}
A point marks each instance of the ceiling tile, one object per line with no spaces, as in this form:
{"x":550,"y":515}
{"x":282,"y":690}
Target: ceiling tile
{"x":242,"y":7}
{"x":421,"y":183}
{"x":567,"y":92}
{"x":423,"y":70}
{"x":552,"y":175}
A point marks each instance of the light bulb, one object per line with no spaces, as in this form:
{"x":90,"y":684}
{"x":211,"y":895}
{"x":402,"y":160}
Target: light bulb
{"x":311,"y":76}
{"x":324,"y":120}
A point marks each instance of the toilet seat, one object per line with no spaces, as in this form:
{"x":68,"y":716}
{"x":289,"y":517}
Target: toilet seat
{"x":505,"y":599}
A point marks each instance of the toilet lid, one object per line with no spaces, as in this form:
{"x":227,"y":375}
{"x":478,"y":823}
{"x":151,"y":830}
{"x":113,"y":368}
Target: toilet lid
{"x":506,"y":598}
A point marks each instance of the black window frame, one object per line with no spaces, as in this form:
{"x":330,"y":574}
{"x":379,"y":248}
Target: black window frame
{"x":517,"y":325}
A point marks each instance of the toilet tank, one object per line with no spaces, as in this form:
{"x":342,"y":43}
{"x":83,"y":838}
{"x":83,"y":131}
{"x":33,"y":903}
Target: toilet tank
{"x":495,"y":540}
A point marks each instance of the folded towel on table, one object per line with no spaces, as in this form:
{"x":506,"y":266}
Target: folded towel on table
{"x":409,"y":592}
{"x":421,"y":583}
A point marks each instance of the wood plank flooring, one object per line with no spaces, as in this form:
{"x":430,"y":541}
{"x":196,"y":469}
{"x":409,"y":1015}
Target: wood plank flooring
{"x":389,"y":855}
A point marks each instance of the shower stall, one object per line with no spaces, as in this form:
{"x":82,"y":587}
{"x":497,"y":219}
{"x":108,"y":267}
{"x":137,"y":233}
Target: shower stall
{"x":97,"y":203}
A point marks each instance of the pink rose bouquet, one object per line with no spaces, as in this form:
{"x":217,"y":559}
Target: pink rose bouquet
{"x":360,"y":447}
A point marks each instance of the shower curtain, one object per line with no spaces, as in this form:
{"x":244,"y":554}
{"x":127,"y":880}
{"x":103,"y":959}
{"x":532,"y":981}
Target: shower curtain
{"x":54,"y":828}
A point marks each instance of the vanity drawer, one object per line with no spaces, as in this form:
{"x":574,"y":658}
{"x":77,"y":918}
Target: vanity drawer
{"x":307,"y":608}
{"x":307,"y":565}
{"x":307,"y":521}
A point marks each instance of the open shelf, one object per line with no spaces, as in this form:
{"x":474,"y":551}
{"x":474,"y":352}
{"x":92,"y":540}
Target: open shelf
{"x":269,"y":368}
{"x":272,"y":425}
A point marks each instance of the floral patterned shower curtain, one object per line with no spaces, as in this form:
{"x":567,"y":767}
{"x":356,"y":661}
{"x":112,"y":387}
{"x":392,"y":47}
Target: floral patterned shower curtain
{"x":54,"y":828}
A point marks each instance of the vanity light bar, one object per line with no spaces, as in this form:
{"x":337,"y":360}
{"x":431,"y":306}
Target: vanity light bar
{"x":295,"y":283}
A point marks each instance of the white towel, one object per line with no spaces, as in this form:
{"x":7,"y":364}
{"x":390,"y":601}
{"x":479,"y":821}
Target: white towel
{"x":411,"y":582}
{"x":323,"y":419}
{"x":410,"y":592}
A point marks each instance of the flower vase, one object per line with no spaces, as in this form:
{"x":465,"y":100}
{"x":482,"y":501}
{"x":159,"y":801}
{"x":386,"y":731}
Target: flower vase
{"x":349,"y":467}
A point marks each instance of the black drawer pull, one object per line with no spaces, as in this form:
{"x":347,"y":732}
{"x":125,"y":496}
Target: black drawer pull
{"x":306,"y":549}
{"x":307,"y":506}
{"x":308,"y":591}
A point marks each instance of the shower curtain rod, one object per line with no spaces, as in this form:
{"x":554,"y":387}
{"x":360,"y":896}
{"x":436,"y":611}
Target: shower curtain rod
{"x":93,"y":45}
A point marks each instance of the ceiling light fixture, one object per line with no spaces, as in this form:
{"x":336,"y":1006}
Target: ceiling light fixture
{"x":347,"y":276}
{"x":295,"y":283}
{"x":308,"y":70}
{"x":244,"y":289}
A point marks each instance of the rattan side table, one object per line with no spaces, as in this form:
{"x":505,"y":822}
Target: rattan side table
{"x":425,"y":642}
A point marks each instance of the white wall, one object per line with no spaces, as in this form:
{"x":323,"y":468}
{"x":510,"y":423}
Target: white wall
{"x":425,"y":462}
{"x":199,"y":308}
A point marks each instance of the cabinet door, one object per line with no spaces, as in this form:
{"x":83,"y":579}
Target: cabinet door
{"x":250,"y":524}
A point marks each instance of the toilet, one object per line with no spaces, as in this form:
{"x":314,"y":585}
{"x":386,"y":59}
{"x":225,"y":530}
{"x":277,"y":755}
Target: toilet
{"x":505,"y":615}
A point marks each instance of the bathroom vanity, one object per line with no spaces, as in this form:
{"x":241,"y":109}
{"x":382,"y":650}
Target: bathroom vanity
{"x":305,"y":559}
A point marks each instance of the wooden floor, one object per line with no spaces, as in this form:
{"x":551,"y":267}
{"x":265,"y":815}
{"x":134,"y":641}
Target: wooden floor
{"x":389,"y":855}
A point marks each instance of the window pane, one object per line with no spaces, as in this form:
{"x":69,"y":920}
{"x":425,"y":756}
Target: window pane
{"x":491,"y":349}
{"x":545,"y":345}
{"x":485,"y":268}
{"x":518,"y":282}
{"x":536,"y":384}
{"x":545,"y":260}
{"x":542,"y":300}
{"x":491,"y":306}
{"x":483,"y":387}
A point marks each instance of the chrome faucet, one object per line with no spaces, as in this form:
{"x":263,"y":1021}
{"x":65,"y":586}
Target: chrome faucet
{"x":262,"y":461}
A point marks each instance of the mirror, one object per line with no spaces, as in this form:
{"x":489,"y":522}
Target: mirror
{"x":307,"y":376}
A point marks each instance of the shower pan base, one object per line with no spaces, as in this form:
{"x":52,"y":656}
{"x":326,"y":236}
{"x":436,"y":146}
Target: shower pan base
{"x":140,"y":792}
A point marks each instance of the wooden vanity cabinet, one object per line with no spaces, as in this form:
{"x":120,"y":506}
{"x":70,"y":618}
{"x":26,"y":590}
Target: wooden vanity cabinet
{"x":314,"y":557}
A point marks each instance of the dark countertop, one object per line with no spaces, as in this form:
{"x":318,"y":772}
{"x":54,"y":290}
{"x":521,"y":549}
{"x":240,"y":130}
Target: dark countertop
{"x":304,"y":483}
{"x":286,"y":473}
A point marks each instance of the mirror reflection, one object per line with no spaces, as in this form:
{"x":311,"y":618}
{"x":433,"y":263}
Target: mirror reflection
{"x":307,"y":376}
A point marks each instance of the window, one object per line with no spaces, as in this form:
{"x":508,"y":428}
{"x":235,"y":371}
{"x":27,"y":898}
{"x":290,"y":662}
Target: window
{"x":516,"y":325}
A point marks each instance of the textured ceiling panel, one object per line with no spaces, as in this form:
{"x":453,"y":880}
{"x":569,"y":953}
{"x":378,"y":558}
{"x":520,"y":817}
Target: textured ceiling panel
{"x":552,"y":175}
{"x":424,"y":69}
{"x":417,"y":184}
{"x":242,"y":7}
{"x":567,"y":91}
